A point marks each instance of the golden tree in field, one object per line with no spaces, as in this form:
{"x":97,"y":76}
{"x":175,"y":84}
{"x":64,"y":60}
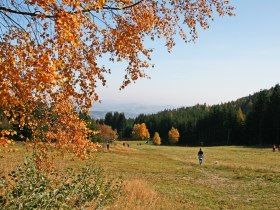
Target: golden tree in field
{"x":106,"y":133}
{"x":156,"y":139}
{"x":54,"y":53}
{"x":173,"y":136}
{"x":140,"y":131}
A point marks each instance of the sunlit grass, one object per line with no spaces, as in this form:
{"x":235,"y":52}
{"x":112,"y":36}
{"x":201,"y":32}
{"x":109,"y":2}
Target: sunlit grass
{"x":169,"y":177}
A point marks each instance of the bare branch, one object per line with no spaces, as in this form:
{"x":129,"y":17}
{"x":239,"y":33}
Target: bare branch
{"x":34,"y":14}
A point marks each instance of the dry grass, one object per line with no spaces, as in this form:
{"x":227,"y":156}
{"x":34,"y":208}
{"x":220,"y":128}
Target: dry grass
{"x":163,"y":177}
{"x":11,"y":157}
{"x":117,"y":147}
{"x":137,"y":195}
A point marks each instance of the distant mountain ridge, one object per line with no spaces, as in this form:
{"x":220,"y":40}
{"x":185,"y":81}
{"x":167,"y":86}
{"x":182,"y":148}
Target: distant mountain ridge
{"x":101,"y":114}
{"x":133,"y":110}
{"x":130,"y":110}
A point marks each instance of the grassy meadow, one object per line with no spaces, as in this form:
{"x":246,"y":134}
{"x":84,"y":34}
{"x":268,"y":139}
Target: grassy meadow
{"x":169,"y":177}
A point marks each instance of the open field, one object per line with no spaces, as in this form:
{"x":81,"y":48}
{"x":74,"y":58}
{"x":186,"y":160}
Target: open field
{"x":164,"y":177}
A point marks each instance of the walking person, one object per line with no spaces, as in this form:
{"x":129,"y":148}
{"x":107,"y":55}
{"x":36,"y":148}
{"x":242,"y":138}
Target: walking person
{"x":273,"y":148}
{"x":108,"y":145}
{"x":200,"y":156}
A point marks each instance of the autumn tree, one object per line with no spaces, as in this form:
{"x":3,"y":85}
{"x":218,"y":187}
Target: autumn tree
{"x":156,"y":139}
{"x":240,"y":116}
{"x":106,"y":133}
{"x":173,"y":136}
{"x":57,"y":52}
{"x":140,"y":131}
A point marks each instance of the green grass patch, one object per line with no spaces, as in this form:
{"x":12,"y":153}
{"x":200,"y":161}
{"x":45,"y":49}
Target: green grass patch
{"x":230,"y":177}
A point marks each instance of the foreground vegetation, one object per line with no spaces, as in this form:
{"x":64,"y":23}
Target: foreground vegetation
{"x":164,"y":177}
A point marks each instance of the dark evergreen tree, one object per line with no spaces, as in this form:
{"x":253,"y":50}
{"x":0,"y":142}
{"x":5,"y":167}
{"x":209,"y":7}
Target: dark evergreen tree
{"x":252,"y":120}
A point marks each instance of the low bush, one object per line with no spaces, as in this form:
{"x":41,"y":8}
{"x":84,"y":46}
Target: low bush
{"x":30,"y":188}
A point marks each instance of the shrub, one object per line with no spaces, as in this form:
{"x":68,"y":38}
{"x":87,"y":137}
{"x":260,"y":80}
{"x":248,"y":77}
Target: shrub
{"x":30,"y":188}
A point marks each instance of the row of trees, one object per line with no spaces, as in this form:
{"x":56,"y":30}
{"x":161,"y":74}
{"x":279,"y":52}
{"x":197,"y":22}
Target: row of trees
{"x":252,"y":120}
{"x":140,"y":131}
{"x":113,"y":125}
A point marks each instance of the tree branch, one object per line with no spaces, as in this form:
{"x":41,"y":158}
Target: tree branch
{"x":33,"y":14}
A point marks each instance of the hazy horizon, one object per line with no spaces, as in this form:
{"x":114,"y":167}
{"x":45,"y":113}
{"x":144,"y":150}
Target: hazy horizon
{"x":122,"y":106}
{"x":236,"y":57}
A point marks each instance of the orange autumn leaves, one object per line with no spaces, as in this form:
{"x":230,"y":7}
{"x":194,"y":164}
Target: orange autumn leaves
{"x":106,"y":133}
{"x":140,"y":131}
{"x":54,"y":54}
{"x":4,"y":141}
{"x":157,"y":139}
{"x":173,"y":136}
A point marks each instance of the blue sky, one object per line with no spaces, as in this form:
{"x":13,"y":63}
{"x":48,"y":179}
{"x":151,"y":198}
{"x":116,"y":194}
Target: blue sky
{"x":236,"y":57}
